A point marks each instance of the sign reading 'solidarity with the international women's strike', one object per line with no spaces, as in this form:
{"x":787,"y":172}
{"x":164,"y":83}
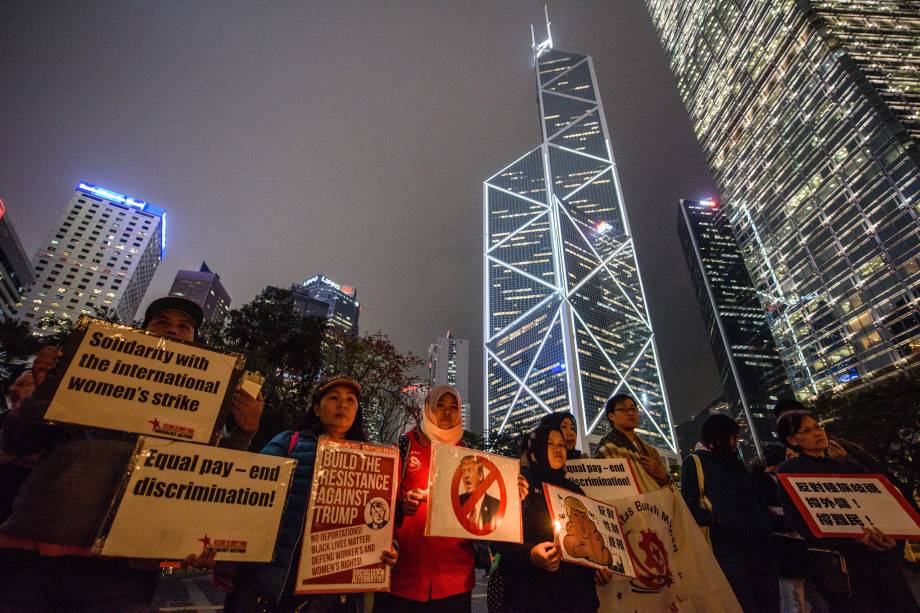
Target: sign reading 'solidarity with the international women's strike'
{"x":349,"y":521}
{"x":180,"y":498}
{"x":843,"y":505}
{"x":588,"y":531}
{"x":122,"y":378}
{"x":473,"y":495}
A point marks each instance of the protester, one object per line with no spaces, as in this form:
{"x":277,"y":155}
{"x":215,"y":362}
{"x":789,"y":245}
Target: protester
{"x":269,"y":587}
{"x":623,"y":442}
{"x":565,"y":421}
{"x":434,"y":573}
{"x":876,"y":582}
{"x":535,"y":578}
{"x":46,"y":561}
{"x":739,"y":523}
{"x":15,"y":469}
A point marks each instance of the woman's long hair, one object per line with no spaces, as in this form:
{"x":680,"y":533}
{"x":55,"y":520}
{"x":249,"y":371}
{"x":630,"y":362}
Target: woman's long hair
{"x":717,"y":432}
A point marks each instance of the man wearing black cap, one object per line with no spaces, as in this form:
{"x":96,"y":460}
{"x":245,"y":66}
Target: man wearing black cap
{"x":46,"y":562}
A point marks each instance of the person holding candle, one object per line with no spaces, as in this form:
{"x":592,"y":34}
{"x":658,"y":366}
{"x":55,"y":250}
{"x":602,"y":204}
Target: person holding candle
{"x":536,"y":579}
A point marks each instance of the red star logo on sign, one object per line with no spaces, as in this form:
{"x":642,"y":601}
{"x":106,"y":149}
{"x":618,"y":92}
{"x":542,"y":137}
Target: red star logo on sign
{"x":206,"y":542}
{"x":155,"y":423}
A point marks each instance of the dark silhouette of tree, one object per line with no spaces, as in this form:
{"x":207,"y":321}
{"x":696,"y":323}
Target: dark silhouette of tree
{"x":384,"y":374}
{"x":284,"y":346}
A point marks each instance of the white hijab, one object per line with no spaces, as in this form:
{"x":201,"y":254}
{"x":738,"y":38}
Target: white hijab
{"x":451,"y":436}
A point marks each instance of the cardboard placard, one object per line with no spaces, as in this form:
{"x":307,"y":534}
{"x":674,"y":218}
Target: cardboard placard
{"x":604,"y":480}
{"x":841,"y":505}
{"x":180,"y":498}
{"x":122,"y":378}
{"x":588,"y":531}
{"x":473,"y":495}
{"x":349,"y":520}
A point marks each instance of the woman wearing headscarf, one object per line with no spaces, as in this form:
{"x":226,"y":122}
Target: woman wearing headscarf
{"x":565,"y":421}
{"x":536,"y":579}
{"x":434,"y":573}
{"x":739,"y":522}
{"x":269,"y":587}
{"x":876,"y":582}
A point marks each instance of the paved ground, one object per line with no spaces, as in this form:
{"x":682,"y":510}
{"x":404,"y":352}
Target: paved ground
{"x":191,"y":594}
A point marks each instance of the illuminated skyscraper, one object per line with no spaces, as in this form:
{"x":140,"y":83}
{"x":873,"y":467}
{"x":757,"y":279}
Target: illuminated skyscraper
{"x":320,"y":296}
{"x":16,"y":272}
{"x":204,"y":288}
{"x":566,"y":325}
{"x":752,"y":372}
{"x":102,"y":253}
{"x":808,"y":114}
{"x":449,"y":363}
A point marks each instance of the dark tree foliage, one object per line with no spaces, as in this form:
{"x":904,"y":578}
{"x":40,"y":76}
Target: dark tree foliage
{"x":883,"y":418}
{"x":384,"y":374}
{"x":285,"y":347}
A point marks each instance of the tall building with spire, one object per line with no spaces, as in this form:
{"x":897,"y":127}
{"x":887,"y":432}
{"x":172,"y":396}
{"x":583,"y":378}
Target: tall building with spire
{"x":204,"y":288}
{"x":566,"y":323}
{"x":807,"y":112}
{"x":449,"y":363}
{"x":101,"y":254}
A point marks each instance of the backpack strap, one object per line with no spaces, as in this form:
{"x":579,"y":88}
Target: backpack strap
{"x":295,"y":436}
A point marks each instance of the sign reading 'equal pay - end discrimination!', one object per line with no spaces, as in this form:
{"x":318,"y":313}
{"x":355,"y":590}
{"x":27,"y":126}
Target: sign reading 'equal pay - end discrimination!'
{"x":182,"y":498}
{"x":122,"y":378}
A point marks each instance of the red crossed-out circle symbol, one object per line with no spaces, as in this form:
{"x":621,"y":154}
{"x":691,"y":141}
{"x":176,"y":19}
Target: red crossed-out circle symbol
{"x":464,"y":510}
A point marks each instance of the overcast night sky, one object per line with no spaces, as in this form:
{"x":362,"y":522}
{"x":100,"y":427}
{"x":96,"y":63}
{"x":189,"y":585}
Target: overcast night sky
{"x":350,"y":139}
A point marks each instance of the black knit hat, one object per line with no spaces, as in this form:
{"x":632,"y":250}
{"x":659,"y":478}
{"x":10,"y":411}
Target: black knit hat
{"x":175,"y":303}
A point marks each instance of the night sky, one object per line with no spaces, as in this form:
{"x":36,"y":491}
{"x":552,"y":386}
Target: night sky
{"x":350,"y":139}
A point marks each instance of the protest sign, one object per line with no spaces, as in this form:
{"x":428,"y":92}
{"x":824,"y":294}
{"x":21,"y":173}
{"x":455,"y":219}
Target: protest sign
{"x":588,"y":531}
{"x":674,"y":566}
{"x":349,"y":521}
{"x":842,"y":505}
{"x":473,"y":495}
{"x":180,"y":498}
{"x":121,"y":378}
{"x":604,"y":480}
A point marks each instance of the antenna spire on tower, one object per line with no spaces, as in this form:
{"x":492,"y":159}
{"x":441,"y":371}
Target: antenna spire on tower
{"x":546,"y":45}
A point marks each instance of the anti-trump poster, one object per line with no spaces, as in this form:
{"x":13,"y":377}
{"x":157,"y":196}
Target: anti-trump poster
{"x":473,"y":495}
{"x":349,"y":521}
{"x":587,"y":531}
{"x":843,"y":505}
{"x":675,"y":570}
{"x":605,"y":480}
{"x":181,"y":498}
{"x":122,"y":378}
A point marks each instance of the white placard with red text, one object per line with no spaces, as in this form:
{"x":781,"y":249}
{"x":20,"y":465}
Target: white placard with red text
{"x":842,"y":505}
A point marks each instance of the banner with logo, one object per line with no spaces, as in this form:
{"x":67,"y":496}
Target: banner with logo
{"x":842,"y":505}
{"x":674,"y":566}
{"x":180,"y":498}
{"x":473,"y":495}
{"x":349,"y":521}
{"x":122,"y":378}
{"x":605,"y":480}
{"x":588,"y":531}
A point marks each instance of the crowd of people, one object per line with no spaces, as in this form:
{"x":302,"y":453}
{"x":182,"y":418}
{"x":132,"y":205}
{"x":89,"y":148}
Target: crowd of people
{"x":55,"y":482}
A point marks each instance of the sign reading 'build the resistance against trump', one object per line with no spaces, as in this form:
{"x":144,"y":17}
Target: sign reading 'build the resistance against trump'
{"x":349,"y":521}
{"x":121,"y":378}
{"x":181,"y":497}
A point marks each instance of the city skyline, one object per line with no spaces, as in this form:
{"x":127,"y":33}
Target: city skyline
{"x":325,"y":148}
{"x":565,"y":321}
{"x":810,"y":131}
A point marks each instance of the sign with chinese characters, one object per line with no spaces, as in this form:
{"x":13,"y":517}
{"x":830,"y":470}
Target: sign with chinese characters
{"x":842,"y":505}
{"x":588,"y":532}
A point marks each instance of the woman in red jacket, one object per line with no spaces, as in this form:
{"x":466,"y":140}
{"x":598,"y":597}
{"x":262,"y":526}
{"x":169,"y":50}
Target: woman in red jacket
{"x":434,"y":573}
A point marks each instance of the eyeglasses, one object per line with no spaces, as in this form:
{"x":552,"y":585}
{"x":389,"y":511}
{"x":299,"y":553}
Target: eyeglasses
{"x":626,"y":410}
{"x":810,"y":431}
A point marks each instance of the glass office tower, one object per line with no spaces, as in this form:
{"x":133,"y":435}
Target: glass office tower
{"x":750,"y":367}
{"x":566,"y":324}
{"x":807,"y":112}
